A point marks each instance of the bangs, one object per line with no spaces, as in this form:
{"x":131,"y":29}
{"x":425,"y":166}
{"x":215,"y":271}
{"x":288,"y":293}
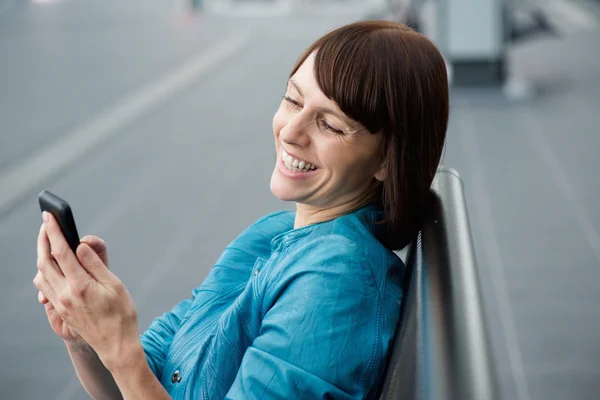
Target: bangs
{"x":349,"y":71}
{"x":346,"y":72}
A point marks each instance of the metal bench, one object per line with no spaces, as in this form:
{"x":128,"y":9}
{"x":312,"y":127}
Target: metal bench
{"x":441,"y":349}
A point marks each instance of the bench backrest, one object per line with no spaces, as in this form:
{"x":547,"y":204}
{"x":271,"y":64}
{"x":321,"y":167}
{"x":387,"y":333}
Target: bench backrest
{"x":441,"y":349}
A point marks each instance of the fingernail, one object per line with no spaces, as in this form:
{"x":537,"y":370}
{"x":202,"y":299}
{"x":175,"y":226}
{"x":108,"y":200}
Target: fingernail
{"x":45,"y":216}
{"x":40,"y":297}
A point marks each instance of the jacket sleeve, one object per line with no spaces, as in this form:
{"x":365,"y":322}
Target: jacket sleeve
{"x":226,"y":278}
{"x":157,"y":339}
{"x":319,"y":338}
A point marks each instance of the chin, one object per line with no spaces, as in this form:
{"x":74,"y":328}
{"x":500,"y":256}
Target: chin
{"x":281,"y":192}
{"x":281,"y":189}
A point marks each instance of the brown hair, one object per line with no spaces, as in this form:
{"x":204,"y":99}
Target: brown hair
{"x":393,"y":81}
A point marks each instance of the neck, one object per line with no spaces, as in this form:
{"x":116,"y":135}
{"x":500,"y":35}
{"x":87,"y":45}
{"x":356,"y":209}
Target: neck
{"x":307,"y":214}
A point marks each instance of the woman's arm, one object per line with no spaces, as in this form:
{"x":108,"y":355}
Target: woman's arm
{"x":126,"y":380}
{"x":95,"y":308}
{"x":128,"y":377}
{"x":133,"y":375}
{"x":93,"y":375}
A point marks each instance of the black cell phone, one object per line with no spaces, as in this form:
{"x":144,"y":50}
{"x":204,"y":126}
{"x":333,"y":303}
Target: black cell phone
{"x":64,"y":216}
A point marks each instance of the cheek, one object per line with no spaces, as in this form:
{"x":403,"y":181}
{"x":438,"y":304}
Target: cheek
{"x":338,"y":153}
{"x":349,"y":161}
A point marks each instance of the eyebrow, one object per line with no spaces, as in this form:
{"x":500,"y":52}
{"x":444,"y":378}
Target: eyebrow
{"x":343,"y":117}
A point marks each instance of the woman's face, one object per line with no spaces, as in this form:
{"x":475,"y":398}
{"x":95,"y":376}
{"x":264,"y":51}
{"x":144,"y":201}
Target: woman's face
{"x":324,"y":159}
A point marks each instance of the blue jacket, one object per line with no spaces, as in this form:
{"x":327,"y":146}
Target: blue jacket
{"x":285,"y":313}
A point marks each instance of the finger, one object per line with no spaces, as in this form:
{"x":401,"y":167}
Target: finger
{"x":45,"y":263}
{"x":93,"y":264}
{"x":40,"y":282}
{"x":43,"y":247}
{"x":53,"y":302}
{"x":41,"y":298}
{"x":61,"y":251}
{"x":49,"y":307}
{"x":43,"y":244}
{"x":98,"y":245}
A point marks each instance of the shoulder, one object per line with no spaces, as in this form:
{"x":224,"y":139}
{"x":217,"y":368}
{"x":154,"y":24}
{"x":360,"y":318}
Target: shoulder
{"x":326,"y":250}
{"x":349,"y":241}
{"x":256,"y":238}
{"x":341,"y":254}
{"x":325,"y":284}
{"x":326,"y":257}
{"x":282,"y":219}
{"x":269,"y":226}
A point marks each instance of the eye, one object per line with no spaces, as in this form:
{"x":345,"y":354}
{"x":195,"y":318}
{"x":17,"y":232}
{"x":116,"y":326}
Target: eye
{"x":330,"y":128}
{"x":293,"y":103}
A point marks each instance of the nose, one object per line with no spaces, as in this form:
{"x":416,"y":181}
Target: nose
{"x":297,"y":130}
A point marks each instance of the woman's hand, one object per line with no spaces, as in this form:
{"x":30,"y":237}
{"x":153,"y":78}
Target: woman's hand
{"x":87,"y":303}
{"x":60,"y":328}
{"x":58,"y":325}
{"x":96,"y":243}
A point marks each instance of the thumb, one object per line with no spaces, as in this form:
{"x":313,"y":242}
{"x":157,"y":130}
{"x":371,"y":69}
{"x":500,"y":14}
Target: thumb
{"x":98,"y":245}
{"x":91,"y":261}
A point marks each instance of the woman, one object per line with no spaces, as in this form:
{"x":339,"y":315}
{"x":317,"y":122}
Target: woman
{"x":301,"y":305}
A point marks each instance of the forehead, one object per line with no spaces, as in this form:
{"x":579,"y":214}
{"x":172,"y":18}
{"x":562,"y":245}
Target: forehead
{"x":306,"y":69}
{"x":305,"y":79}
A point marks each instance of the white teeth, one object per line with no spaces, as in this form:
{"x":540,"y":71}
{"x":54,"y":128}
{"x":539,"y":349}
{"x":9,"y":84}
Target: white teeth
{"x":295,"y":165}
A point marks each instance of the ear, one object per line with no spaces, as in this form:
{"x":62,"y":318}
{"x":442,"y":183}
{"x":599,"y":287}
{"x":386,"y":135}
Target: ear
{"x":381,"y":172}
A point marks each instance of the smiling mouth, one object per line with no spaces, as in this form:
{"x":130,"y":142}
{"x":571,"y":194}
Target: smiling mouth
{"x":294,"y":164}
